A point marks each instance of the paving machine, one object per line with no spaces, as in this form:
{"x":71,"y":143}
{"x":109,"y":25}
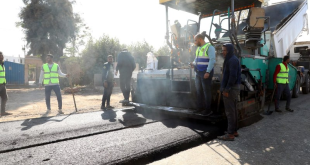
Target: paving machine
{"x":261,"y":35}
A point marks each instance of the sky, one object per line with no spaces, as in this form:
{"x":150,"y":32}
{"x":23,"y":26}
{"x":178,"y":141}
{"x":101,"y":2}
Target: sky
{"x":130,"y":21}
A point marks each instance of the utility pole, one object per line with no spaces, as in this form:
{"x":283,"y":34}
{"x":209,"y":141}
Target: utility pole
{"x":24,"y":47}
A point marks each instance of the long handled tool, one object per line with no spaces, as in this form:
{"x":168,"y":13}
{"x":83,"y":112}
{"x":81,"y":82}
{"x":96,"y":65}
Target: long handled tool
{"x":218,"y":101}
{"x":70,"y":82}
{"x":268,"y":112}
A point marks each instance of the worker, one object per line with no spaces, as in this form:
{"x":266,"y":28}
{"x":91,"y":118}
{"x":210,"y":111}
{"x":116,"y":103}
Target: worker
{"x":230,"y":88}
{"x":281,"y":83}
{"x":204,"y":64}
{"x":108,"y":82}
{"x":3,"y":94}
{"x":49,"y":76}
{"x":125,"y":65}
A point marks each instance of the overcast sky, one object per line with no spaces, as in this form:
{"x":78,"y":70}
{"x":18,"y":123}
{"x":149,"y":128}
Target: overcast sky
{"x":130,"y":21}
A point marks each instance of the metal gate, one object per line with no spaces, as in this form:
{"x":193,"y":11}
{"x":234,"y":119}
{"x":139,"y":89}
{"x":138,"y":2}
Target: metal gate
{"x":14,"y":73}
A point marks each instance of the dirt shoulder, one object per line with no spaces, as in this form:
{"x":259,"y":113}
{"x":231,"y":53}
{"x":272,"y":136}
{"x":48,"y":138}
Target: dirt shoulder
{"x":30,"y":103}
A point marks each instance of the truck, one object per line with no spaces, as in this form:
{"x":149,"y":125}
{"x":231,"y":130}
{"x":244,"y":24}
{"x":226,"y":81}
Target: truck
{"x":261,"y":34}
{"x":300,"y":55}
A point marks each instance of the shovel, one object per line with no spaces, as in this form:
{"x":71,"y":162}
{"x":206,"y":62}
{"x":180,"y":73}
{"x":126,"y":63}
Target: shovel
{"x":268,"y":112}
{"x":70,"y":82}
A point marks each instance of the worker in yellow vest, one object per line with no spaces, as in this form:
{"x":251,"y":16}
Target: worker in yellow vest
{"x":49,"y":76}
{"x":3,"y":94}
{"x":281,"y":81}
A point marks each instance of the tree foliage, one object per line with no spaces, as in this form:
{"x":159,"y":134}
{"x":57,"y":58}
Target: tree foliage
{"x":96,"y":51}
{"x":163,"y":51}
{"x":48,"y":26}
{"x":73,"y":68}
{"x":139,"y":51}
{"x":82,"y":35}
{"x":95,"y":55}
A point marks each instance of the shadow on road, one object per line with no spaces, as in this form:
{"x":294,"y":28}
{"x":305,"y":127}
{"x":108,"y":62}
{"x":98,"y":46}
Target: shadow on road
{"x":130,"y":118}
{"x":109,"y":115}
{"x":29,"y":123}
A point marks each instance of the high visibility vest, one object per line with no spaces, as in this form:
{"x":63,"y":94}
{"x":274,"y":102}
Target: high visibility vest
{"x":50,"y":75}
{"x":282,"y":77}
{"x":202,"y":57}
{"x":2,"y":75}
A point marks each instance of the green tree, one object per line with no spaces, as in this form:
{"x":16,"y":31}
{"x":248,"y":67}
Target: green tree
{"x":82,"y":35}
{"x":163,"y":51}
{"x":48,"y":26}
{"x":139,"y":51}
{"x":95,"y":55}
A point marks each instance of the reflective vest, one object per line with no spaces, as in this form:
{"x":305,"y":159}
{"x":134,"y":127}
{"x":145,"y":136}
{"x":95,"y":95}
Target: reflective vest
{"x":50,"y":75}
{"x":2,"y":75}
{"x":202,"y":57}
{"x":282,"y":77}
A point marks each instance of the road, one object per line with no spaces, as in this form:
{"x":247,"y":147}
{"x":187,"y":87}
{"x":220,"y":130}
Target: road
{"x":114,"y":136}
{"x":123,"y":136}
{"x":278,"y":139}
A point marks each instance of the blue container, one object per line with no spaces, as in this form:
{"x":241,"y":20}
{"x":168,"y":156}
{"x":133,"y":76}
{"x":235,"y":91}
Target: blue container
{"x":14,"y":73}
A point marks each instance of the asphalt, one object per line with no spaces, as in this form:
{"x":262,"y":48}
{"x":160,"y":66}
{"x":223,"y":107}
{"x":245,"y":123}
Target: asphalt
{"x":110,"y":137}
{"x":278,"y":139}
{"x":122,"y":136}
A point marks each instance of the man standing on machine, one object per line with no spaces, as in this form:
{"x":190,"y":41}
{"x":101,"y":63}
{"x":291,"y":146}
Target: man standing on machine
{"x":203,"y":64}
{"x":125,"y":65}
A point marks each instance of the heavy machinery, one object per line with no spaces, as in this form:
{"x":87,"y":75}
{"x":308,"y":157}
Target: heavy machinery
{"x":260,"y":41}
{"x":300,"y":54}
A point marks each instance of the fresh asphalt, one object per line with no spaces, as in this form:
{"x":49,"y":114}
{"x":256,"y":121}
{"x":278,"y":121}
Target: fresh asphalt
{"x":119,"y":136}
{"x":103,"y":137}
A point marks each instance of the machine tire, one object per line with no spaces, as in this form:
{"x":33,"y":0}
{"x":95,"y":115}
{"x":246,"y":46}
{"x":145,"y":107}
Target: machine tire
{"x":305,"y":90}
{"x":296,"y":89}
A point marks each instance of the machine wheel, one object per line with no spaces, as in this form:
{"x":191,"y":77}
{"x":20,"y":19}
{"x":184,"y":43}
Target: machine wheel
{"x":296,"y":89}
{"x":305,"y":90}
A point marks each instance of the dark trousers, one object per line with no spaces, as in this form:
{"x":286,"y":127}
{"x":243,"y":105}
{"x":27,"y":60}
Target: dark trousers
{"x":4,"y":98}
{"x":48,"y":90}
{"x":107,"y":94}
{"x":203,"y":88}
{"x":231,"y":110}
{"x":125,"y":79}
{"x":282,"y":88}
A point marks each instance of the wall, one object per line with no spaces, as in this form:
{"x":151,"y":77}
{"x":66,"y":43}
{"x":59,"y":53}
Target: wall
{"x":37,"y":62}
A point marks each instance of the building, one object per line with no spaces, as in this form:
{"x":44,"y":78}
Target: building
{"x":20,"y":60}
{"x":32,"y":69}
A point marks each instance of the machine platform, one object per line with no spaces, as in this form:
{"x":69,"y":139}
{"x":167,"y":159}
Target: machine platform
{"x":180,"y":112}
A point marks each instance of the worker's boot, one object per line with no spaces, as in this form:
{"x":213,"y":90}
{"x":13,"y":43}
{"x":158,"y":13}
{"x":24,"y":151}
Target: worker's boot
{"x":278,"y":110}
{"x":289,"y":109}
{"x":110,"y":107}
{"x":124,"y":101}
{"x":227,"y":137}
{"x":4,"y":114}
{"x":236,"y":134}
{"x":60,"y":111}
